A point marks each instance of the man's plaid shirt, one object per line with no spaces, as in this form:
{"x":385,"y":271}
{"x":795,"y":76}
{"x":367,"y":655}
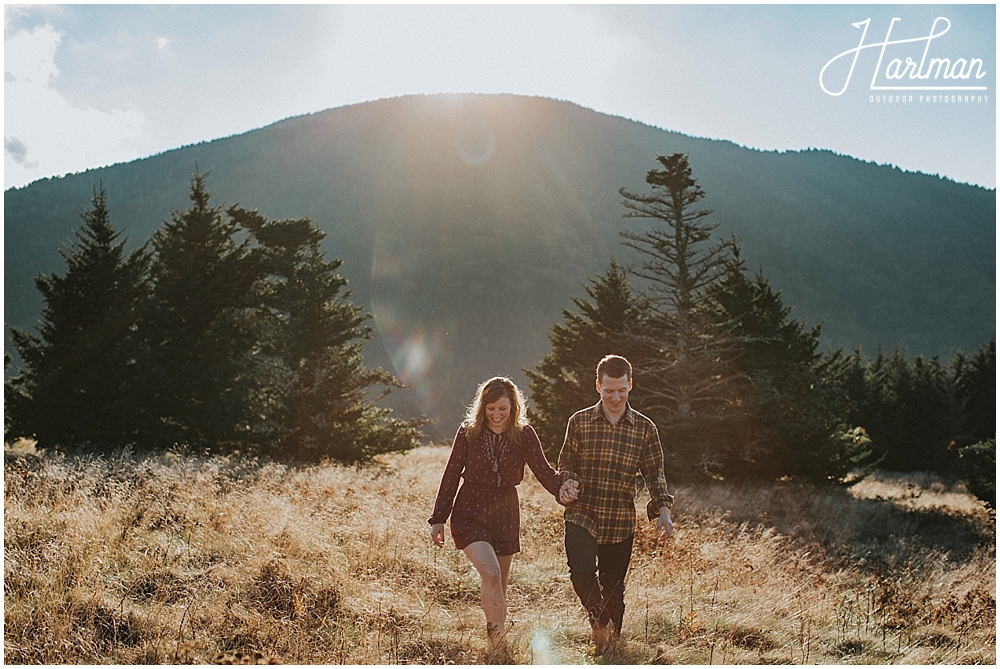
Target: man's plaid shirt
{"x":605,"y":458}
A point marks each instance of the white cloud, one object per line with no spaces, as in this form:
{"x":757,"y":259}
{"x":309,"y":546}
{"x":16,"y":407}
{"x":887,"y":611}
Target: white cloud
{"x":28,"y":55}
{"x":62,"y":137}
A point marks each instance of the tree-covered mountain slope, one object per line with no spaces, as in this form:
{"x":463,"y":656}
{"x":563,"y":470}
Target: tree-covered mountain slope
{"x":466,"y":222}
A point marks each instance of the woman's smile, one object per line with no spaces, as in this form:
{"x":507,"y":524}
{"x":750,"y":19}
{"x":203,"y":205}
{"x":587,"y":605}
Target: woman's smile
{"x":498,"y":414}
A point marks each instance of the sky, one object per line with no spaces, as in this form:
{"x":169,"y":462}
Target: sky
{"x":91,"y":85}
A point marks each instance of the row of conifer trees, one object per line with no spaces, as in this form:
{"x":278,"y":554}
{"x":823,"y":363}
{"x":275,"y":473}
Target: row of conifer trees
{"x":227,"y":331}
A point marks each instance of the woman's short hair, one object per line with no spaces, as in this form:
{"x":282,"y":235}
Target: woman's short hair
{"x":614,"y":367}
{"x":490,"y":391}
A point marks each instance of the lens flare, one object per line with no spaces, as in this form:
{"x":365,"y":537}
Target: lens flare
{"x":414,"y":348}
{"x":413,"y":359}
{"x":542,"y":649}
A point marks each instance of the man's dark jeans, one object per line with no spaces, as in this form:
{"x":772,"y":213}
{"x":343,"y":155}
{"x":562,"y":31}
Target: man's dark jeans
{"x":598,"y":574}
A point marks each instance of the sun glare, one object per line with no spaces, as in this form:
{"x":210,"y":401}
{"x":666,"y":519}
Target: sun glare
{"x":542,"y":651}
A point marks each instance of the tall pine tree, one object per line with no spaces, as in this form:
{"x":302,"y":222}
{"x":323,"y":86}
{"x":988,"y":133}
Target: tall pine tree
{"x":688,"y":369}
{"x":319,"y":390}
{"x":201,"y":335}
{"x":80,"y":380}
{"x":680,"y":262}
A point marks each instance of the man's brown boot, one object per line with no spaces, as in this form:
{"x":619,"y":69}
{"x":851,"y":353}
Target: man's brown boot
{"x":602,"y":636}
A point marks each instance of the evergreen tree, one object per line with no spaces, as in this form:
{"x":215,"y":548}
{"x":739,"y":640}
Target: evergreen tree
{"x":977,"y":466}
{"x":80,"y":378}
{"x":908,"y":407}
{"x":318,"y":399}
{"x":779,"y":417}
{"x":731,"y":379}
{"x":690,"y":363}
{"x":976,"y":380}
{"x":234,"y":333}
{"x":563,"y":382}
{"x":201,"y":385}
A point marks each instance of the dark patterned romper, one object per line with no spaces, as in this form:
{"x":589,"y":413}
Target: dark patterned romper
{"x":487,"y":506}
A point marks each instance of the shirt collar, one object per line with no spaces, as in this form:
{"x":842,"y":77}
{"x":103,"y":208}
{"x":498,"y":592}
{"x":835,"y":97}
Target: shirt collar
{"x":597,"y":413}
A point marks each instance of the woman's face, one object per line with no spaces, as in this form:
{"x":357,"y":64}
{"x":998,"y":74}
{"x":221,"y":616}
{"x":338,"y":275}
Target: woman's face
{"x":498,"y":414}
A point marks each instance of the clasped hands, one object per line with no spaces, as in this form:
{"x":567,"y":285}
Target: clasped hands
{"x":569,"y":492}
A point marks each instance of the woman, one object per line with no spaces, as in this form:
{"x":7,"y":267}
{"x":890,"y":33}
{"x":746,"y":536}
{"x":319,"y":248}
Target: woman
{"x":489,"y":452}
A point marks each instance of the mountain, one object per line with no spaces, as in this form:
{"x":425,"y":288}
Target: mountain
{"x":466,"y":223}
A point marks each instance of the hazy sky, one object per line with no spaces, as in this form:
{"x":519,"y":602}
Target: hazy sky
{"x":90,"y":85}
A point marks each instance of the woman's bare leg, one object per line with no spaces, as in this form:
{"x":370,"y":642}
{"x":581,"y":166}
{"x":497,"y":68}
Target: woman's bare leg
{"x":505,"y":561}
{"x":493,"y":571}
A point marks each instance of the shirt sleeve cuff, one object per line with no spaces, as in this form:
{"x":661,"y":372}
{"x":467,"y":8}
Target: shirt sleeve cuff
{"x":654,"y":505}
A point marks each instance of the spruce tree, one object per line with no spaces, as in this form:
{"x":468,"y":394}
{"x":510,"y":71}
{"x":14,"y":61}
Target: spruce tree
{"x":977,"y":466}
{"x":689,"y":366}
{"x":563,"y":382}
{"x":732,"y":381}
{"x":201,"y":386}
{"x":908,"y":407}
{"x":316,"y":382}
{"x":80,"y":382}
{"x":975,"y":445}
{"x":781,"y":411}
{"x":976,"y":380}
{"x":680,"y":263}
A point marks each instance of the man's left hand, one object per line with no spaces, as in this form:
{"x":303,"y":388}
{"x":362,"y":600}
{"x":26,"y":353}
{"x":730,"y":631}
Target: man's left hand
{"x":664,"y":526}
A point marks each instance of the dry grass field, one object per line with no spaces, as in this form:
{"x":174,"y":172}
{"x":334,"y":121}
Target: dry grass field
{"x":182,"y":559}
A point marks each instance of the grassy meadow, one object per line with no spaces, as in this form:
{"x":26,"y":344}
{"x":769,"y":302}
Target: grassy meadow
{"x":185,"y":559}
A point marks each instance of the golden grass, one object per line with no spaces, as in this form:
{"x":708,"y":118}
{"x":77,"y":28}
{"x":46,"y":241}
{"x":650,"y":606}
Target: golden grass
{"x":192,"y":560}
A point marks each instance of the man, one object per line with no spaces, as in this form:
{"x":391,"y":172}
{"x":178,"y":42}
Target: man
{"x":605,"y":446}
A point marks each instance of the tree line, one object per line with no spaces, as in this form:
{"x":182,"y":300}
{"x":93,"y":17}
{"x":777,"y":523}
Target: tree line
{"x":226,"y":331}
{"x":231,"y":331}
{"x":738,"y":388}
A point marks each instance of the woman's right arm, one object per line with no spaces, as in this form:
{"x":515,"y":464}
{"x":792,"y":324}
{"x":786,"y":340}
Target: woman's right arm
{"x":569,"y":455}
{"x":449,"y":481}
{"x":571,"y":488}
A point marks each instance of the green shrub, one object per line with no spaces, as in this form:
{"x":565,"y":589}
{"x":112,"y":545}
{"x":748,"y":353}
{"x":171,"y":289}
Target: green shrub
{"x":977,"y":465}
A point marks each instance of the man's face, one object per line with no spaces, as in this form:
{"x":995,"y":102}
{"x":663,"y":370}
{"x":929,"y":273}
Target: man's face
{"x":614,"y":392}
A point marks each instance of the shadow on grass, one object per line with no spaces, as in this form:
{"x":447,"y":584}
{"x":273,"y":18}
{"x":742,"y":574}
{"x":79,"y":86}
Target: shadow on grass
{"x":869,"y":533}
{"x":894,"y":530}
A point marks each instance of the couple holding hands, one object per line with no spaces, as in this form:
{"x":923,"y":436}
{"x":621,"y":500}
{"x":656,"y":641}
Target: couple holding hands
{"x":605,"y":446}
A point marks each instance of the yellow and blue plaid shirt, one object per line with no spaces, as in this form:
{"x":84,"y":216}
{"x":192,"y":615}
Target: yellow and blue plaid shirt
{"x":605,"y":458}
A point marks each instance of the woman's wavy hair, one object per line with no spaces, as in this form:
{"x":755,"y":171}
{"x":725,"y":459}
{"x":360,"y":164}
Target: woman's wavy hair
{"x":490,"y":391}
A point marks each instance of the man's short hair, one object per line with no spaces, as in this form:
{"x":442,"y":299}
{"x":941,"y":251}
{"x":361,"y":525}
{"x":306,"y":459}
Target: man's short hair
{"x":614,"y":367}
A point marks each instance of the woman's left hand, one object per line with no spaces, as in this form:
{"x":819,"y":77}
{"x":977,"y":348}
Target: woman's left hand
{"x":569,"y":492}
{"x":437,"y":534}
